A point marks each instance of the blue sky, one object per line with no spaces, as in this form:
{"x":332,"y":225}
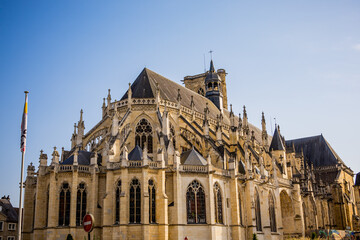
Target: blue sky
{"x":297,"y":61}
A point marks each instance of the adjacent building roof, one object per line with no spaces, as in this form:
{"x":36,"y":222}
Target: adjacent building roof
{"x":8,"y":210}
{"x":316,"y":150}
{"x":192,"y":157}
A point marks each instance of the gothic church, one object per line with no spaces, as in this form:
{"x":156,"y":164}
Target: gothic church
{"x":169,"y":162}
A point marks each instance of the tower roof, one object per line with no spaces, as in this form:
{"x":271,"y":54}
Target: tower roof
{"x":212,"y":75}
{"x":276,"y":143}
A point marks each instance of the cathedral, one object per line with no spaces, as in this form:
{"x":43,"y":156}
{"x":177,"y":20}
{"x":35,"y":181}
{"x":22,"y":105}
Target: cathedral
{"x":173,"y":162}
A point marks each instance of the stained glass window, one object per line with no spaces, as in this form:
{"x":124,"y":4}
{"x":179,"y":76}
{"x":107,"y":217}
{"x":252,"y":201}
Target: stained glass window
{"x":143,"y":135}
{"x":117,"y":202}
{"x":135,"y":202}
{"x":152,"y":202}
{"x":64,"y":205}
{"x":195,"y":203}
{"x":80,"y":204}
{"x":218,"y":204}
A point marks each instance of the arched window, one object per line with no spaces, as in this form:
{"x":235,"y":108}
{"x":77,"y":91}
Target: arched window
{"x":240,"y":208}
{"x":195,"y":203}
{"x":143,"y":135}
{"x":272,"y":213}
{"x":135,"y":201}
{"x":152,"y":203}
{"x":201,"y":92}
{"x":64,"y":205}
{"x":218,"y":204}
{"x":117,"y":202}
{"x":209,"y":85}
{"x":257,"y":212}
{"x":80,"y":204}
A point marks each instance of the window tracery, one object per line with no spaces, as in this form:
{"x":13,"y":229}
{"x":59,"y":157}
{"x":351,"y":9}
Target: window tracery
{"x":80,"y":204}
{"x":195,"y":203}
{"x":64,"y":205}
{"x":143,"y":135}
{"x":201,"y":91}
{"x":218,"y":204}
{"x":135,"y":201}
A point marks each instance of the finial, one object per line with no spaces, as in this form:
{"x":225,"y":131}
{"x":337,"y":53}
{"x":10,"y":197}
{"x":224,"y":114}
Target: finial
{"x":81,"y":115}
{"x":103,"y":101}
{"x":54,"y":148}
{"x":74,"y":128}
{"x":231,"y":107}
{"x":211,"y":51}
{"x":41,"y":152}
{"x":179,"y":95}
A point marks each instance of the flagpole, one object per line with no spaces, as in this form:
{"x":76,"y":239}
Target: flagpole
{"x":23,"y":147}
{"x":21,"y":188}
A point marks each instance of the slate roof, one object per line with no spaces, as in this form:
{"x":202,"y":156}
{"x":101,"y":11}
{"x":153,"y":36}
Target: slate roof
{"x":329,"y":176}
{"x":212,"y":74}
{"x":192,"y":157}
{"x":276,"y":142}
{"x":83,"y":158}
{"x":316,"y":150}
{"x":8,"y":210}
{"x":136,"y":154}
{"x":145,"y":87}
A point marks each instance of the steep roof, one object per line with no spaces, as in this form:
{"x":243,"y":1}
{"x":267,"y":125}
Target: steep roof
{"x":83,"y":158}
{"x":192,"y":157}
{"x":316,"y":150}
{"x":136,"y":154}
{"x":145,"y":87}
{"x":8,"y":210}
{"x":276,"y":142}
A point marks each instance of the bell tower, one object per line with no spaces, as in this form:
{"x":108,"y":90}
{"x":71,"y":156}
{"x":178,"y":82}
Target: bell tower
{"x":213,"y":87}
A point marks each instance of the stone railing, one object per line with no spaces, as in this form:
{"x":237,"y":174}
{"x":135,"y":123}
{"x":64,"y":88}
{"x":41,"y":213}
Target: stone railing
{"x":65,"y":168}
{"x":153,"y":164}
{"x":83,"y":168}
{"x":192,"y":168}
{"x":135,"y":163}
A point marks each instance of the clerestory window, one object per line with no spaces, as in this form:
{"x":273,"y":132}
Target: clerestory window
{"x":258,"y":212}
{"x":143,"y":135}
{"x":195,"y":203}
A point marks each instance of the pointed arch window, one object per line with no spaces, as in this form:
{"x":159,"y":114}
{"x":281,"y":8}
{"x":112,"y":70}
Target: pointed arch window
{"x":201,"y":91}
{"x":47,"y":207}
{"x":117,"y":202}
{"x":240,"y":208}
{"x":135,"y":201}
{"x":195,"y":203}
{"x":143,"y":135}
{"x":258,"y":212}
{"x":80,"y":204}
{"x":152,"y":202}
{"x":64,"y":205}
{"x":272,"y":213}
{"x":218,"y":204}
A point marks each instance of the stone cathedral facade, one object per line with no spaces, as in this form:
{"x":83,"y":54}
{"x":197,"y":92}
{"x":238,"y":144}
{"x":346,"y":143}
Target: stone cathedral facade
{"x":169,"y":162}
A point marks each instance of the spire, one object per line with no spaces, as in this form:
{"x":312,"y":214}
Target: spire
{"x":108,"y":98}
{"x":212,"y":69}
{"x":264,"y":134}
{"x":276,"y":143}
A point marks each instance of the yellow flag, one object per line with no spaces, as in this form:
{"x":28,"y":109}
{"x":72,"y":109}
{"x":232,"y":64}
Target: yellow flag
{"x":24,"y":124}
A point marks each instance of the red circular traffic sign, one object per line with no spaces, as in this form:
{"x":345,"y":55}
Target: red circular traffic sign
{"x":88,"y":222}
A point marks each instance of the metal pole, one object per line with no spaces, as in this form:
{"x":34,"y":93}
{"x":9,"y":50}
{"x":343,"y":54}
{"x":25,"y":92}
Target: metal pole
{"x":20,"y":201}
{"x":88,"y":235}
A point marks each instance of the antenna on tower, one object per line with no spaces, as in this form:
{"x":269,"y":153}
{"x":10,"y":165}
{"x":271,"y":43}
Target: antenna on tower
{"x":204,"y":64}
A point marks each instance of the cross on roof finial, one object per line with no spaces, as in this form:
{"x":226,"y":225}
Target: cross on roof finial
{"x":211,"y":51}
